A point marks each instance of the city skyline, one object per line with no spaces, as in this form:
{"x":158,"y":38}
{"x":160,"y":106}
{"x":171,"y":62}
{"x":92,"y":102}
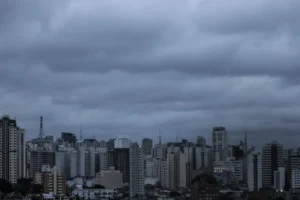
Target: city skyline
{"x":116,"y":68}
{"x":120,"y":167}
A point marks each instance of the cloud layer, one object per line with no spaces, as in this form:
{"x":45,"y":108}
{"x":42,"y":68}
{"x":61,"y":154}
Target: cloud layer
{"x":132,"y":67}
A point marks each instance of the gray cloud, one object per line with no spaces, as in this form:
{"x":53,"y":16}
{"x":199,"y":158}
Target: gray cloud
{"x":131,"y":67}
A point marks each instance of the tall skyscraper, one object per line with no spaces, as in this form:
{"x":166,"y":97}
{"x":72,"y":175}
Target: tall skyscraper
{"x":62,"y":161}
{"x":87,"y":161}
{"x":12,"y":150}
{"x":147,"y":145}
{"x":254,"y":171}
{"x":272,"y":159}
{"x":293,"y":163}
{"x":101,"y":159}
{"x":122,"y":142}
{"x":219,"y":144}
{"x":119,"y":158}
{"x":160,"y":151}
{"x":137,"y":176}
{"x":178,"y":167}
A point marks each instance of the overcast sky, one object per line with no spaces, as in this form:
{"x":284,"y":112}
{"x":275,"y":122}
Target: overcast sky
{"x":131,"y":67}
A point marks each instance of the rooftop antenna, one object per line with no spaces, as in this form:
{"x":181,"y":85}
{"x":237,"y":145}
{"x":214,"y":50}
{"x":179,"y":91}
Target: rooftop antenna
{"x":80,"y":137}
{"x":159,"y":139}
{"x":246,"y":147}
{"x":177,"y":136}
{"x":41,"y":135}
{"x":93,"y":135}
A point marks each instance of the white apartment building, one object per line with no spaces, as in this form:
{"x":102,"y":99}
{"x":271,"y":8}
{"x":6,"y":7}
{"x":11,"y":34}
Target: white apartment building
{"x":178,"y":169}
{"x":87,"y":161}
{"x":219,"y":144}
{"x":93,"y":194}
{"x":254,"y":171}
{"x":160,"y":151}
{"x":150,"y":164}
{"x":103,"y":158}
{"x":279,"y":179}
{"x":233,"y":167}
{"x":122,"y":142}
{"x":295,"y":179}
{"x":61,"y":161}
{"x":272,"y":159}
{"x":161,"y":172}
{"x":74,"y":164}
{"x":12,"y":150}
{"x":21,"y":153}
{"x":137,"y":174}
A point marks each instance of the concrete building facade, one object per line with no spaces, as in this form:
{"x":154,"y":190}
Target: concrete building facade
{"x":54,"y":182}
{"x":219,"y":144}
{"x":272,"y":159}
{"x":147,"y":145}
{"x":279,"y":178}
{"x":12,"y":150}
{"x":137,"y":174}
{"x":254,"y":171}
{"x":110,"y":179}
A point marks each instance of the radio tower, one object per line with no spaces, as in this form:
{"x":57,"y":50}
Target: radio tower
{"x":159,"y":137}
{"x":80,"y":137}
{"x":41,"y":127}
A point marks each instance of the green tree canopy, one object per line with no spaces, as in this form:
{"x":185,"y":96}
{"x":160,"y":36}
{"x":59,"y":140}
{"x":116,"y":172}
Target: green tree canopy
{"x":5,"y":186}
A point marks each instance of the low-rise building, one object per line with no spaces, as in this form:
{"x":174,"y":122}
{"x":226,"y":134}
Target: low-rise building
{"x":234,"y":167}
{"x":110,"y":179}
{"x":94,"y":193}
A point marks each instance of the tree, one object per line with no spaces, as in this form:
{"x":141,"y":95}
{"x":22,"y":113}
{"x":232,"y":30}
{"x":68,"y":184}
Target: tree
{"x":5,"y":186}
{"x":253,"y":198}
{"x":174,"y":194}
{"x":23,"y":186}
{"x":35,"y":198}
{"x":97,"y":186}
{"x":287,"y":187}
{"x":37,"y":189}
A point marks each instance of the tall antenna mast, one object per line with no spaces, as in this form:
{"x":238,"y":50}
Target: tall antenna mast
{"x":80,"y":137}
{"x":177,"y":136}
{"x":159,"y":137}
{"x":246,"y":147}
{"x":41,"y":135}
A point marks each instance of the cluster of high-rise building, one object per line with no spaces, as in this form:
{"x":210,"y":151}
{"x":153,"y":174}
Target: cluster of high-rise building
{"x":118,"y":162}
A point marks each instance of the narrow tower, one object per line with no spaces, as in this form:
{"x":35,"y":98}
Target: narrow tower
{"x":80,"y":137}
{"x":159,"y":137}
{"x":41,"y":135}
{"x":246,"y":147}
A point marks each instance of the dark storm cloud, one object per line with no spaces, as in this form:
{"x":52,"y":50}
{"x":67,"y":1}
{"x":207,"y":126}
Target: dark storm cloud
{"x":131,"y":67}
